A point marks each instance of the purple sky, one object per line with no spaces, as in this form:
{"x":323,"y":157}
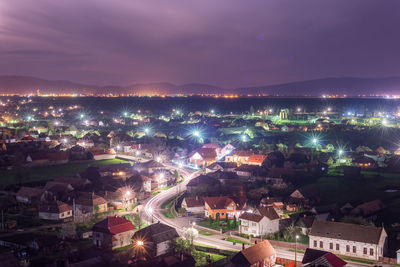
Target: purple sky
{"x":230,"y":43}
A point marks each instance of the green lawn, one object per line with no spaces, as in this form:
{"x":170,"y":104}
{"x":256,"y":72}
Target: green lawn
{"x":338,"y":189}
{"x":216,"y":225}
{"x":233,"y":240}
{"x":201,"y":257}
{"x":167,"y":205}
{"x":44,"y":173}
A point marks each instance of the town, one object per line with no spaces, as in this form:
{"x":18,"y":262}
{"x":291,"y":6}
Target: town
{"x":85,"y":186}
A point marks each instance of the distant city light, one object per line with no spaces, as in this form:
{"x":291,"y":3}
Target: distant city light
{"x":196,"y":133}
{"x":340,"y":152}
{"x":146,"y":130}
{"x":315,"y":141}
{"x":212,"y":111}
{"x":139,"y":243}
{"x":158,"y":159}
{"x":81,"y":116}
{"x":244,"y":138}
{"x":118,"y":147}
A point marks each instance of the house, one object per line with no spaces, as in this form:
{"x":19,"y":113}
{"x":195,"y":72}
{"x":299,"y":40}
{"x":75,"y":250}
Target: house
{"x":247,"y":171}
{"x":113,"y":232}
{"x":157,"y":238}
{"x":269,"y":201}
{"x":226,"y":150}
{"x":194,"y":205}
{"x":259,"y":255}
{"x":239,"y":156}
{"x":30,"y":195}
{"x":140,"y":182}
{"x":368,"y":209}
{"x":202,"y":183}
{"x":149,"y":167}
{"x":221,"y":207}
{"x":256,"y":160}
{"x":76,"y":183}
{"x":203,"y":157}
{"x":58,"y":190}
{"x":262,"y":222}
{"x":90,"y":203}
{"x":116,"y":171}
{"x":100,"y":154}
{"x":85,"y":143}
{"x":306,"y":195}
{"x":320,"y":258}
{"x":55,"y":211}
{"x":221,"y":166}
{"x":351,"y":240}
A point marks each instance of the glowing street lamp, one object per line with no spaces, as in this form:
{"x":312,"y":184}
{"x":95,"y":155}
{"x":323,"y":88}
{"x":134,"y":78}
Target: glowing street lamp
{"x":212,"y":111}
{"x":65,"y":140}
{"x":125,"y":114}
{"x":314,"y":141}
{"x":158,"y":159}
{"x":81,"y":116}
{"x":340,"y":152}
{"x":196,"y":133}
{"x":146,"y":130}
{"x":244,"y":138}
{"x":137,"y":153}
{"x":56,"y":123}
{"x":140,"y":243}
{"x":118,"y":147}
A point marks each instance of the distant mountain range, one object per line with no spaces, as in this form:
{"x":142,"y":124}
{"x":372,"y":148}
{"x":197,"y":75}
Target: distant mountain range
{"x":351,"y":86}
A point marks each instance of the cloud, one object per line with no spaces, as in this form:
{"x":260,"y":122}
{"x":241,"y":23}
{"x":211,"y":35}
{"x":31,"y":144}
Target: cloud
{"x":228,"y":42}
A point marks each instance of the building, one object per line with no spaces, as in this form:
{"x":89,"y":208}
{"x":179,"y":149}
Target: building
{"x":203,"y":156}
{"x":194,"y":205}
{"x":55,"y":211}
{"x":320,"y":258}
{"x":113,"y":232}
{"x":220,"y":207}
{"x":262,"y":222}
{"x":351,"y":240}
{"x":259,"y":255}
{"x":256,"y":160}
{"x":90,"y":203}
{"x":157,"y":239}
{"x":30,"y":195}
{"x":239,"y":156}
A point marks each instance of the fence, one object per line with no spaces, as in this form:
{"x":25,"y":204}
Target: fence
{"x":282,"y":244}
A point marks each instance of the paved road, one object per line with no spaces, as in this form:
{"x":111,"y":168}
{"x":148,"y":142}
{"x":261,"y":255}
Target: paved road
{"x":152,"y":210}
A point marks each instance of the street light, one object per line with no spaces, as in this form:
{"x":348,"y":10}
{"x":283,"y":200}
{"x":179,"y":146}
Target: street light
{"x":314,"y":141}
{"x":158,"y":159}
{"x":65,"y":140}
{"x":140,"y":243}
{"x":340,"y":152}
{"x":196,"y":133}
{"x":146,"y":130}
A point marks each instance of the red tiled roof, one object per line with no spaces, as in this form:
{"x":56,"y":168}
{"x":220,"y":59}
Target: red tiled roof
{"x":113,"y":226}
{"x":257,"y":158}
{"x":218,"y":202}
{"x":206,"y":153}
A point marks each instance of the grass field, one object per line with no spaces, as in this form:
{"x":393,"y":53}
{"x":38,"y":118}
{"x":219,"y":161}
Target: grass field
{"x":44,"y":173}
{"x":233,"y":240}
{"x":201,"y":257}
{"x":338,"y":189}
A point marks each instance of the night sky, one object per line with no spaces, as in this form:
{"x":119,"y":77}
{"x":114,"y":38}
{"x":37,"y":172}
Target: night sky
{"x":229,"y":43}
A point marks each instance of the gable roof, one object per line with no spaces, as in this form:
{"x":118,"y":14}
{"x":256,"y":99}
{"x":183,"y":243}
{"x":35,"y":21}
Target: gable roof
{"x":346,"y":231}
{"x":257,"y":158}
{"x":90,"y":199}
{"x":251,"y":217}
{"x":29,"y":192}
{"x":268,"y":212}
{"x":157,"y":233}
{"x":322,"y":258}
{"x":205,"y":153}
{"x":194,"y":202}
{"x":113,"y":225}
{"x":218,"y":202}
{"x":369,"y":208}
{"x":55,"y":207}
{"x":254,"y":254}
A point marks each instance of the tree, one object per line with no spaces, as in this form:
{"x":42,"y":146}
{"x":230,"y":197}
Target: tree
{"x":182,"y":245}
{"x":191,"y":234}
{"x":217,"y":217}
